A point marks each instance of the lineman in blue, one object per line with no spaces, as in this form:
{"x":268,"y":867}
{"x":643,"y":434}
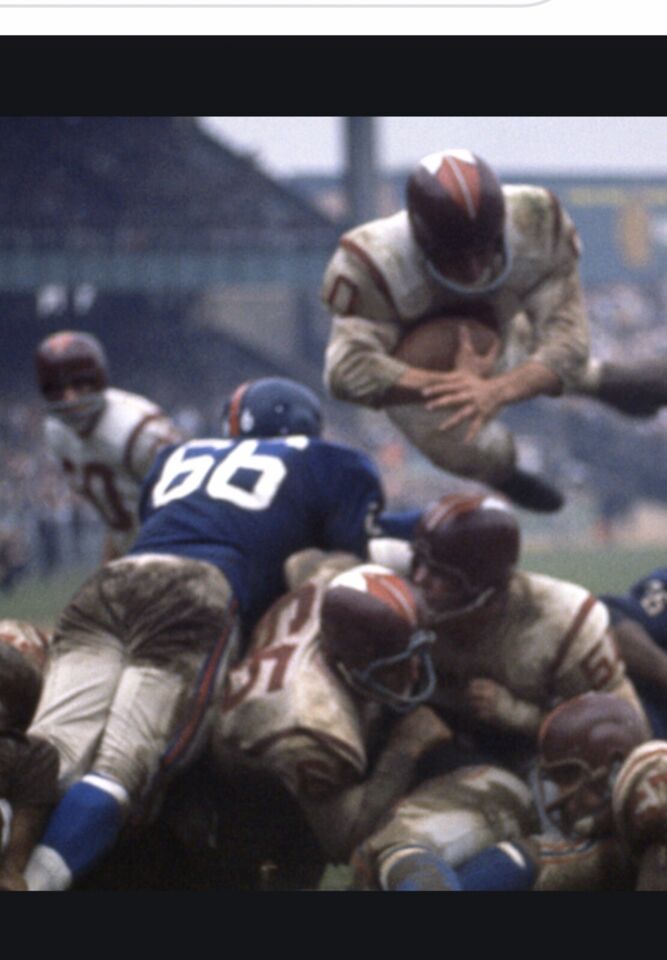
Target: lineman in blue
{"x":141,"y":650}
{"x":246,"y":505}
{"x":639,"y":619}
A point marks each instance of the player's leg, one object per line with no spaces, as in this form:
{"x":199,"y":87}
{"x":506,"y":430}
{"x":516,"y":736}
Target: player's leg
{"x":85,"y":665}
{"x":180,"y":634}
{"x":442,"y":825}
{"x":638,"y":389}
{"x":489,"y":459}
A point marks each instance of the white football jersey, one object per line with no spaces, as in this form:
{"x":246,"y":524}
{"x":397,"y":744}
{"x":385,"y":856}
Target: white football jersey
{"x":108,"y":464}
{"x":284,"y":709}
{"x":377,"y":285}
{"x":551,"y":643}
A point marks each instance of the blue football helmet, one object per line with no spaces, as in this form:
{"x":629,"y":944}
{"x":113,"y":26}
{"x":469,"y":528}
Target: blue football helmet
{"x":272,"y":407}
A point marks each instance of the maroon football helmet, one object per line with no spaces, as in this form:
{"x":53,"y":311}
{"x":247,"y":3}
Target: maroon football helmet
{"x":457,"y":213}
{"x":71,"y":359}
{"x":473,"y":542}
{"x":582,"y":745}
{"x":369,"y":625}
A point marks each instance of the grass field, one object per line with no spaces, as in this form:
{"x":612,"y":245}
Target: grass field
{"x":602,"y":569}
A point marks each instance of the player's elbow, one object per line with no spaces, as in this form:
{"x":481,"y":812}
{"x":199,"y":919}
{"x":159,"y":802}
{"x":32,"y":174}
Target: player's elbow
{"x":351,"y":379}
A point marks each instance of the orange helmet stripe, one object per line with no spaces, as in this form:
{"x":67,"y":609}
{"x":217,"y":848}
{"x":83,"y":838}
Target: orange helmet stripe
{"x":235,"y":409}
{"x":395,"y":593}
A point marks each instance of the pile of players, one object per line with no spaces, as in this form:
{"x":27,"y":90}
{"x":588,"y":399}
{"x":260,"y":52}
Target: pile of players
{"x":439,"y":718}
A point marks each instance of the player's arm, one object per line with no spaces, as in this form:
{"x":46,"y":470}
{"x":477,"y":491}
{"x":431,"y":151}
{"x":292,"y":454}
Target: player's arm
{"x":555,"y":303}
{"x":347,"y":817}
{"x":493,"y":703}
{"x":589,"y":659}
{"x":152,"y":434}
{"x":359,"y":366}
{"x":365,"y":331}
{"x":480,"y":399}
{"x":646,"y":662}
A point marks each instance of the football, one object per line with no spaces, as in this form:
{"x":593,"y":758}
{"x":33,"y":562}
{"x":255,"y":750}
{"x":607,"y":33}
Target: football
{"x":433,"y":344}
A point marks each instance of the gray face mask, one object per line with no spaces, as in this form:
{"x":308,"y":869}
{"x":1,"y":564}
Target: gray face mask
{"x":365,"y":682}
{"x":77,"y":414}
{"x":487,"y":283}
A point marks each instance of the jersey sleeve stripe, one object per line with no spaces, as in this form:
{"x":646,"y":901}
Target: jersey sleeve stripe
{"x":554,"y":207}
{"x":373,"y":269}
{"x":573,"y":631}
{"x":133,"y":437}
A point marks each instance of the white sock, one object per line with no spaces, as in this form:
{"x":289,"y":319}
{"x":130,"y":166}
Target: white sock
{"x":47,"y":870}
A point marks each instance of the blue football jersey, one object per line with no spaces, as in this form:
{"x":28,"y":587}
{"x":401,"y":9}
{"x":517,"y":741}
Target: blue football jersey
{"x":645,"y":602}
{"x":246,"y":505}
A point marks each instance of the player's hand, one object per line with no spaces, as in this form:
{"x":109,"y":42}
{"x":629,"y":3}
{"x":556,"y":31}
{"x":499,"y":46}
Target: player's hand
{"x":421,"y":730}
{"x":489,"y":701}
{"x":469,"y":360}
{"x":477,"y":399}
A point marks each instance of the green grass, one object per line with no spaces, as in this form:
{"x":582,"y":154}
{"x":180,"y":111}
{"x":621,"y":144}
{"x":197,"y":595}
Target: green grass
{"x":40,"y":600}
{"x":601,"y":569}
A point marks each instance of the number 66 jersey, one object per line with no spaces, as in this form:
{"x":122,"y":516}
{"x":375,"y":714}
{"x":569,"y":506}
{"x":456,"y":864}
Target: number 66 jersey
{"x":246,"y":505}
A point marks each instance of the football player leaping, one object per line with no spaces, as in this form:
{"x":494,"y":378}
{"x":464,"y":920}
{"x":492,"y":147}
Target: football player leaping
{"x":139,"y":653}
{"x":105,"y":439}
{"x":467,"y":244}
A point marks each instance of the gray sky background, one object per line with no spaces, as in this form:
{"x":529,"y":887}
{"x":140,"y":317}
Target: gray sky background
{"x":289,"y":145}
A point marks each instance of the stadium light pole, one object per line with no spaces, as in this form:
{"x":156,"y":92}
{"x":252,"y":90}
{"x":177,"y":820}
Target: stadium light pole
{"x":361,"y":176}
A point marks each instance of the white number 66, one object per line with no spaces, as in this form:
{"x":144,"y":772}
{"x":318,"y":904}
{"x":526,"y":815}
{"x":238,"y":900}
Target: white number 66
{"x":193,"y":471}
